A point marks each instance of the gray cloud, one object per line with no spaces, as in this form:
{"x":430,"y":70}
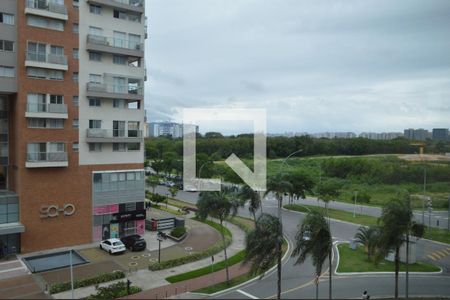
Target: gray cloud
{"x":315,"y":65}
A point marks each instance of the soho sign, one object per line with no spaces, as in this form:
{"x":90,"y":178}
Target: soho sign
{"x":51,"y":211}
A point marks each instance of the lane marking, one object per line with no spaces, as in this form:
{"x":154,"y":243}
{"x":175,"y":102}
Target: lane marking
{"x":247,"y":294}
{"x":436,"y":256}
{"x":431,"y":257}
{"x":444,"y":254}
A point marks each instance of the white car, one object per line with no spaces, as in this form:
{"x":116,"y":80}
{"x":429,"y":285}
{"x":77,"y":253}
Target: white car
{"x":112,"y":246}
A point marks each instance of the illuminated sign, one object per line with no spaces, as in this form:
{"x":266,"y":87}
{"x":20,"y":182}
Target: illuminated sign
{"x":52,"y":211}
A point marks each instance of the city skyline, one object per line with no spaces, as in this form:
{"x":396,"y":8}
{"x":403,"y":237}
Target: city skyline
{"x":380,"y":66}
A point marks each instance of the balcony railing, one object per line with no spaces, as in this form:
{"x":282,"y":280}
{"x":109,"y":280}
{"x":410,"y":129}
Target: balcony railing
{"x":47,"y":108}
{"x":114,"y":42}
{"x":47,"y":58}
{"x":114,"y":89}
{"x":47,"y":6}
{"x":37,"y":157}
{"x":113,"y":133}
{"x":135,"y":3}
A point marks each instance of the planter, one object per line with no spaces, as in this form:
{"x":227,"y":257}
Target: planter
{"x":177,"y":239}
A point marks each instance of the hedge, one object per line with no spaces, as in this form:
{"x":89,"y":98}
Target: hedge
{"x":214,"y":249}
{"x":178,"y":232}
{"x":113,"y":291}
{"x":105,"y":277}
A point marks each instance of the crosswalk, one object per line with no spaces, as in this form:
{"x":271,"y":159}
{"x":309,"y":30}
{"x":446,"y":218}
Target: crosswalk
{"x":439,"y":254}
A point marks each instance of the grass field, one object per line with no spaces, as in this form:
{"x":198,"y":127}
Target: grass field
{"x":435,"y":234}
{"x":356,"y":261}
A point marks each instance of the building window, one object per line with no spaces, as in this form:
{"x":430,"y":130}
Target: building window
{"x":7,"y":71}
{"x":75,"y":123}
{"x":119,"y":60}
{"x":75,"y":76}
{"x":95,"y":124}
{"x":119,"y":103}
{"x":133,"y":146}
{"x":75,"y":101}
{"x":95,"y":147}
{"x":6,"y":18}
{"x":39,"y":73}
{"x":6,"y":46}
{"x":133,"y":17}
{"x":46,"y":23}
{"x":76,"y":3}
{"x":75,"y":147}
{"x":96,"y":102}
{"x":75,"y":53}
{"x":56,"y":99}
{"x":9,"y":211}
{"x":95,"y":56}
{"x":133,"y":105}
{"x":75,"y":28}
{"x":95,"y":78}
{"x":119,"y":147}
{"x":95,"y":9}
{"x":46,"y":123}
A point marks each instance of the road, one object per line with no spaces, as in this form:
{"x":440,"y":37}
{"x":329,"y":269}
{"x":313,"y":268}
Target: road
{"x":297,"y":279}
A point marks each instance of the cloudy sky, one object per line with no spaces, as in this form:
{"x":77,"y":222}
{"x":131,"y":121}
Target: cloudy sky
{"x":314,"y":65}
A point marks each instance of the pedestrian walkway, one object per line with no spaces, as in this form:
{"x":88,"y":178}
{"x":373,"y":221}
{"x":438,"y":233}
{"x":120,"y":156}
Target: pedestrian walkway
{"x":439,"y":254}
{"x":151,"y":280}
{"x":12,"y":268}
{"x":23,"y":287}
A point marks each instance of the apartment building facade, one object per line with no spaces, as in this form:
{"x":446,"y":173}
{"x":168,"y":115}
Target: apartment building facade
{"x":71,"y":117}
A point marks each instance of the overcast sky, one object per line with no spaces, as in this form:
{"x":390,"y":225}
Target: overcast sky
{"x":314,"y":65}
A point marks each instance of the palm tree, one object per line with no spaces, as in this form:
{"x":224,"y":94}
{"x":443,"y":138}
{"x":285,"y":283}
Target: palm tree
{"x":220,"y":205}
{"x":246,"y":193}
{"x":369,"y":237}
{"x":278,"y":186}
{"x":262,"y":244}
{"x":314,"y":238}
{"x":396,"y":224}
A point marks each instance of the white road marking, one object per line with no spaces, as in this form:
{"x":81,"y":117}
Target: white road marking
{"x":247,"y":294}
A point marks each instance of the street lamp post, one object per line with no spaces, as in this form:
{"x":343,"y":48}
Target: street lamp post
{"x":424,"y":191}
{"x":354,"y":208}
{"x":71,"y":274}
{"x":159,"y":238}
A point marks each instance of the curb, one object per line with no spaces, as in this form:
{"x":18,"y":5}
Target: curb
{"x":283,"y":260}
{"x":374,"y":273}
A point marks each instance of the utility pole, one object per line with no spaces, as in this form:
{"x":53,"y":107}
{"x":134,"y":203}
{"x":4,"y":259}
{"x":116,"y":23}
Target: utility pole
{"x":424,"y":192}
{"x":71,"y":273}
{"x":354,"y":208}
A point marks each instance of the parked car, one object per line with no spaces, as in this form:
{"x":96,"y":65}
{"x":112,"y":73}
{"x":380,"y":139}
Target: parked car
{"x":112,"y":246}
{"x":134,"y":242}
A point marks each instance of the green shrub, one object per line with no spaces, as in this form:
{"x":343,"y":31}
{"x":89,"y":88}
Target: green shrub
{"x":178,"y":232}
{"x":105,"y":277}
{"x":113,"y":291}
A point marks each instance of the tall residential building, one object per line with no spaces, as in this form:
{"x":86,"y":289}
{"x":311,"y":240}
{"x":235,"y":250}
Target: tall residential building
{"x":440,"y":134}
{"x":380,"y":135}
{"x":71,"y":120}
{"x":417,"y":134}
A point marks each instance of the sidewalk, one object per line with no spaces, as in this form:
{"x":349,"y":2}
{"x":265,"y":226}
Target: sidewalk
{"x":155,"y":280}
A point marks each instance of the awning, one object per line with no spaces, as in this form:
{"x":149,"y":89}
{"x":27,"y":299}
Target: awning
{"x":10,"y":228}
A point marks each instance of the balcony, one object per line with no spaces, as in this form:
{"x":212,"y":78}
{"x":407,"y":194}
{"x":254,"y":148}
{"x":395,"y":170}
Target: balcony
{"x":97,"y":135}
{"x":47,"y":10}
{"x":111,"y":45}
{"x":102,"y":90}
{"x":128,"y":5}
{"x":46,"y":61}
{"x":46,"y":159}
{"x":46,"y":110}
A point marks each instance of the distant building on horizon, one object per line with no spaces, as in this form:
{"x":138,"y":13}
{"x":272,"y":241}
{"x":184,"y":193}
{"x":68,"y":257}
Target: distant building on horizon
{"x":380,"y":135}
{"x":417,"y":134}
{"x":334,"y":135}
{"x":440,"y":134}
{"x":172,"y":129}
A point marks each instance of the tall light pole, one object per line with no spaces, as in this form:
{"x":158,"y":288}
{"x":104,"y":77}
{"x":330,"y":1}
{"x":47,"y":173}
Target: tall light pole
{"x":354,"y":208}
{"x":71,"y":274}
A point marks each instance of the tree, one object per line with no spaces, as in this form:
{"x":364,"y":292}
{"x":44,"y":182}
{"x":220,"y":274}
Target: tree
{"x":246,"y":193}
{"x":301,"y":182}
{"x":328,"y":191}
{"x":220,"y":205}
{"x":153,"y":181}
{"x":278,"y":186}
{"x":314,"y":239}
{"x":173,"y":190}
{"x":369,"y":237}
{"x":397,"y":223}
{"x":261,"y":244}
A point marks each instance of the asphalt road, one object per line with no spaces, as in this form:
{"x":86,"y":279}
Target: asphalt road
{"x":297,"y":280}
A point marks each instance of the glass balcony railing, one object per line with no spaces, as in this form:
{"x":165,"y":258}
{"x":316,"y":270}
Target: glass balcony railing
{"x":46,"y":156}
{"x":135,"y":3}
{"x":114,"y":42}
{"x":47,"y":6}
{"x":114,"y":89}
{"x":113,"y":133}
{"x":47,"y":108}
{"x":47,"y":58}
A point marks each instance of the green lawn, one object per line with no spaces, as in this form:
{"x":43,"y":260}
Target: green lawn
{"x":435,"y":234}
{"x":335,"y":214}
{"x":216,"y":226}
{"x":237,"y":258}
{"x":356,"y":261}
{"x":223,"y":285}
